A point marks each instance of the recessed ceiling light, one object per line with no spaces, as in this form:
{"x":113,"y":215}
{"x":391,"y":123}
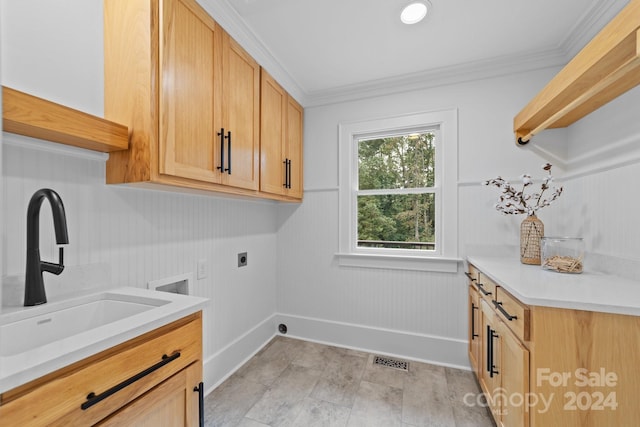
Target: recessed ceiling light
{"x":414,"y":12}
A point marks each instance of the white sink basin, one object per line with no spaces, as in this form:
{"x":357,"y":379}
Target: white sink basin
{"x":48,"y":323}
{"x":35,"y":341}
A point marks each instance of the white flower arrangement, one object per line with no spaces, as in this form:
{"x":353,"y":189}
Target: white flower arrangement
{"x":514,"y":202}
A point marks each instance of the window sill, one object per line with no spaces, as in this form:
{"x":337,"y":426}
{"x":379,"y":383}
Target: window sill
{"x":397,"y":262}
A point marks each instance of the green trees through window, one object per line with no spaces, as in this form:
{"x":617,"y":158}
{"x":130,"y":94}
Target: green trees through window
{"x":396,"y":191}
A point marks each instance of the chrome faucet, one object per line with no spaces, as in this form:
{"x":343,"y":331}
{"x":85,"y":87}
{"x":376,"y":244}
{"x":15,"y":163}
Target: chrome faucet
{"x":34,"y":293}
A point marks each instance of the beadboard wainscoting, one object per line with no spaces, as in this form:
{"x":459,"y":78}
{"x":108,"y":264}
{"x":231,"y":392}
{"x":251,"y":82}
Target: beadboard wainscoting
{"x":412,"y":314}
{"x":602,"y":206}
{"x":144,"y":235}
{"x":600,"y":200}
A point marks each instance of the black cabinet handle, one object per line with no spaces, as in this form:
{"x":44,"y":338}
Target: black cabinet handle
{"x":489,"y":349}
{"x":473,"y":279}
{"x":481,"y":288}
{"x":92,"y":398}
{"x":228,"y":169}
{"x":200,"y":390}
{"x":221,"y":135}
{"x":287,"y":171}
{"x":473,"y":321}
{"x":289,"y":182}
{"x":498,"y":305}
{"x":492,"y":371}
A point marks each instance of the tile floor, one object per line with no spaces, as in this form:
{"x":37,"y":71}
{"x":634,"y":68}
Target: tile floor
{"x":298,"y":383}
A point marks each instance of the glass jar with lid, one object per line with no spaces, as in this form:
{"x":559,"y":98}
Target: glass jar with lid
{"x":562,"y":254}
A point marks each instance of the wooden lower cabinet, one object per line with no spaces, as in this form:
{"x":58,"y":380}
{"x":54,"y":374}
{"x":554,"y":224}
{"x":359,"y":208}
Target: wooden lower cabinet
{"x":475,"y":330}
{"x":154,"y":379}
{"x":169,"y":404}
{"x":514,"y":378}
{"x":501,"y":375}
{"x":543,"y":366}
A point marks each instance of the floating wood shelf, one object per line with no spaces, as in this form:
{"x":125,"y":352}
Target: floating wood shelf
{"x":607,"y":67}
{"x":38,"y":118}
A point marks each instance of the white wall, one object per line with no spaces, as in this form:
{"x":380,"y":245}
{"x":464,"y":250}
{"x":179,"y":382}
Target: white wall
{"x":54,"y":50}
{"x":143,"y":235}
{"x":426,"y":310}
{"x":602,"y":203}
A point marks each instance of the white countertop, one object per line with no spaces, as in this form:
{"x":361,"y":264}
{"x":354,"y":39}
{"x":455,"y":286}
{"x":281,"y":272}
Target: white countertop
{"x":532,"y":285}
{"x":23,"y":367}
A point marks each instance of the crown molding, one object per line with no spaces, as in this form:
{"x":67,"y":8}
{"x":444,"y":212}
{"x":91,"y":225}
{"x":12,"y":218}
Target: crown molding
{"x":590,"y":23}
{"x":460,"y":73}
{"x":594,"y":18}
{"x":227,"y":17}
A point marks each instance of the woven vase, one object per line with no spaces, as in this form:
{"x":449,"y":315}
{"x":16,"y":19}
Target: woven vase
{"x":531,"y":231}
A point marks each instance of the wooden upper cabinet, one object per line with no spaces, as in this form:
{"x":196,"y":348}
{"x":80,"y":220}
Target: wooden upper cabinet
{"x":293,"y":149}
{"x":273,"y":102}
{"x":241,"y":115}
{"x":281,"y":127}
{"x":189,"y":94}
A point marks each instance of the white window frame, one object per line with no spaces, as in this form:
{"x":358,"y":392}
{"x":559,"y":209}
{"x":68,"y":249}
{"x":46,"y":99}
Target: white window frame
{"x":445,"y":257}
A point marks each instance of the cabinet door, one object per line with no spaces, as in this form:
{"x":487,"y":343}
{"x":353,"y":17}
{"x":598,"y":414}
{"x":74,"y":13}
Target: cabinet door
{"x":514,"y":359}
{"x":273,"y":112}
{"x":173,"y":403}
{"x":241,"y":116}
{"x":190,"y":92}
{"x":295,"y":117}
{"x":491,"y":369}
{"x":475,"y":331}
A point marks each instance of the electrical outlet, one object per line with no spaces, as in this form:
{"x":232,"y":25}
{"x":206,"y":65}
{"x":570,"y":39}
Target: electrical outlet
{"x":242,"y":259}
{"x":202,"y":269}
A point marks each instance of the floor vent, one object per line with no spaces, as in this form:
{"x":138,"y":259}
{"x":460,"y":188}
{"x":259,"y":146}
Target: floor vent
{"x":391,"y":363}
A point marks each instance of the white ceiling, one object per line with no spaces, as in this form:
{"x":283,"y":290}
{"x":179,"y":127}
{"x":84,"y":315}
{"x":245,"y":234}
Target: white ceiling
{"x":333,"y":46}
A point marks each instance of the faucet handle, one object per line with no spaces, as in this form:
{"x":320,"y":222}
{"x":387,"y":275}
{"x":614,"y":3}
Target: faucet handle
{"x":54,"y":268}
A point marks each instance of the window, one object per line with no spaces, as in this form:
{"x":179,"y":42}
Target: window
{"x":398,"y":192}
{"x":396,"y":196}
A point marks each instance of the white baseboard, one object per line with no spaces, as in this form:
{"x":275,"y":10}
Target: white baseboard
{"x":406,"y":345}
{"x":225,"y":362}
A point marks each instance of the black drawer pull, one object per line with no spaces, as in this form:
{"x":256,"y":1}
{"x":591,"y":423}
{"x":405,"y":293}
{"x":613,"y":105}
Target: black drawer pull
{"x":200,"y":390}
{"x":221,"y":135}
{"x":473,"y":279}
{"x":480,"y":287}
{"x":473,"y":322}
{"x":228,"y":169}
{"x":489,"y":337}
{"x":92,"y":398}
{"x":498,"y":305}
{"x":492,"y":366}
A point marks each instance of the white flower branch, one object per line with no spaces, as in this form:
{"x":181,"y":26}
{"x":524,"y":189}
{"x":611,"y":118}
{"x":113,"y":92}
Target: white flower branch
{"x":513,"y":201}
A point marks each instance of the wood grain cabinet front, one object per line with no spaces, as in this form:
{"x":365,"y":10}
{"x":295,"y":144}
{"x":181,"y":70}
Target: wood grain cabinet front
{"x":281,"y":128}
{"x":549,"y":366}
{"x":189,"y":94}
{"x":475,"y":330}
{"x":158,"y":373}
